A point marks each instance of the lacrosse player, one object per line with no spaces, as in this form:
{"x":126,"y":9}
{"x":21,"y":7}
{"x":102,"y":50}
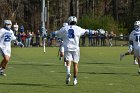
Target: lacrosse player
{"x":129,"y":52}
{"x":6,"y":36}
{"x":134,"y":37}
{"x":71,"y":35}
{"x":61,"y":48}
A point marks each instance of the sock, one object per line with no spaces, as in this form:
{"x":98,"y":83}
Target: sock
{"x":139,"y":69}
{"x":60,"y":58}
{"x":1,"y":70}
{"x":65,"y":64}
{"x":68,"y":70}
{"x":75,"y":77}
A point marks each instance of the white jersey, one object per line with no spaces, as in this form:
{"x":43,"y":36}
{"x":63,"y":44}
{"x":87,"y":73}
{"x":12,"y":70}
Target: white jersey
{"x":71,"y":35}
{"x":6,"y":36}
{"x":135,"y":37}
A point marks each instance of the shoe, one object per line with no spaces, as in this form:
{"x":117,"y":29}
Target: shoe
{"x":2,"y":74}
{"x":68,"y":79}
{"x":121,"y":56}
{"x":60,"y":58}
{"x":65,"y":64}
{"x":75,"y":82}
{"x":135,"y":62}
{"x":138,"y":72}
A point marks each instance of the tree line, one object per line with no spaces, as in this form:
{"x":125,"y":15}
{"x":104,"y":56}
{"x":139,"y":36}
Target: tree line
{"x":112,"y":15}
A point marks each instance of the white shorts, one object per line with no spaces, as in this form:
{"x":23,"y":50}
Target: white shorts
{"x":62,"y":49}
{"x":73,"y":56}
{"x":5,"y":52}
{"x":137,"y":51}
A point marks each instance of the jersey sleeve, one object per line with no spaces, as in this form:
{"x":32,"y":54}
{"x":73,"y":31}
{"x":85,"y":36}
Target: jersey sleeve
{"x":1,"y":33}
{"x":59,"y":32}
{"x":13,"y":36}
{"x":131,"y":36}
{"x":83,"y":31}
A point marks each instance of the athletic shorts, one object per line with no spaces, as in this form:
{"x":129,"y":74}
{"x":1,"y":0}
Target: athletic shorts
{"x":72,"y":56}
{"x":62,"y":49}
{"x":4,"y":52}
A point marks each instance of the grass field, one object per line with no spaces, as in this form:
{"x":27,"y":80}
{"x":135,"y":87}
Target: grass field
{"x":100,"y":71}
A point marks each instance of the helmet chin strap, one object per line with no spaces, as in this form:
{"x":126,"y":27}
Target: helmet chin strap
{"x":7,"y":28}
{"x":137,"y":29}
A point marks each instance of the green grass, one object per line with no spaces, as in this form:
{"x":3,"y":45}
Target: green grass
{"x":100,"y":71}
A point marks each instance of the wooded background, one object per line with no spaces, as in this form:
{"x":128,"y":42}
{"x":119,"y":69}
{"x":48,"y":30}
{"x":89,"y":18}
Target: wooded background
{"x":111,"y":15}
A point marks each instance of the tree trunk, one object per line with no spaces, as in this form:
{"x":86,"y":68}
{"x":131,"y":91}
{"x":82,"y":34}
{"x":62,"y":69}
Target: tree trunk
{"x":77,"y":9}
{"x":48,"y":15}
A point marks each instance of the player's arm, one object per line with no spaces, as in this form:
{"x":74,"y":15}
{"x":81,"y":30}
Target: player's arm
{"x":1,"y":33}
{"x":83,"y":31}
{"x":131,"y":42}
{"x":13,"y":38}
{"x":59,"y":33}
{"x":130,"y":49}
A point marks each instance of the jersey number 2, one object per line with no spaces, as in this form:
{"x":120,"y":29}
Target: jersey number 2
{"x":7,"y":38}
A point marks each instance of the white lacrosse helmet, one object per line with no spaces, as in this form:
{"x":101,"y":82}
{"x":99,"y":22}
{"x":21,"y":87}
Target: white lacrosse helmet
{"x":72,"y":19}
{"x":137,"y":24}
{"x":65,"y":24}
{"x":7,"y":22}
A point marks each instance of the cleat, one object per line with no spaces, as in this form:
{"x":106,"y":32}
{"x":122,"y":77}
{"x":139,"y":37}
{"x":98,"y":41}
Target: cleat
{"x":139,"y":72}
{"x":121,"y":56}
{"x":68,"y":79}
{"x":2,"y":74}
{"x":60,"y":58}
{"x":135,"y":62}
{"x":75,"y":82}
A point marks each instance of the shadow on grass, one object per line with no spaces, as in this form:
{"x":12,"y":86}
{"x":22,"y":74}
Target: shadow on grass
{"x":24,"y":84}
{"x":33,"y":64}
{"x":108,"y":73}
{"x":34,"y":85}
{"x":98,"y":63}
{"x":103,"y":73}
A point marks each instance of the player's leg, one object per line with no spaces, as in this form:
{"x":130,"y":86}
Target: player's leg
{"x":137,"y":54}
{"x":65,"y":62}
{"x":75,"y":72}
{"x":122,"y":55}
{"x":61,"y":53}
{"x":139,"y":65}
{"x":68,"y":72}
{"x":110,"y":42}
{"x":61,"y":56}
{"x":130,"y":52}
{"x":76,"y":56}
{"x":135,"y":60}
{"x":134,"y":57}
{"x":68,"y":57}
{"x":3,"y":64}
